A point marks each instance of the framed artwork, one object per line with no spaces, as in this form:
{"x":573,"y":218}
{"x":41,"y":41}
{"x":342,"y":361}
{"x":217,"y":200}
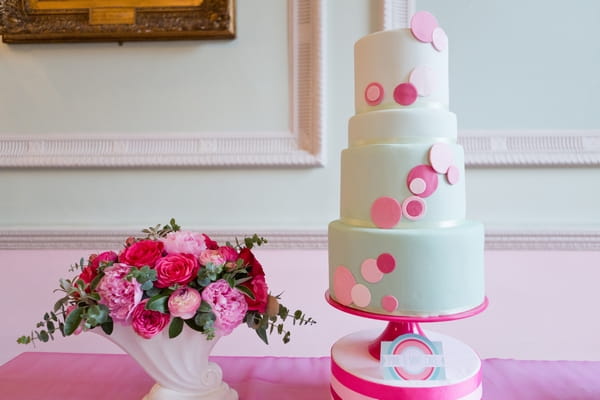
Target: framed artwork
{"x":38,"y":21}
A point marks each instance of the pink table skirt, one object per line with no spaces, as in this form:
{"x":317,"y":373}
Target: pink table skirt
{"x":65,"y":376}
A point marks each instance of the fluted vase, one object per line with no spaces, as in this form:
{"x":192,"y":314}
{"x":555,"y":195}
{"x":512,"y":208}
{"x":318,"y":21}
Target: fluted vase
{"x":180,"y":366}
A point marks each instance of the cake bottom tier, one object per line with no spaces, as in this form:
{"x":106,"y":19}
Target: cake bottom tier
{"x":358,"y":376}
{"x":407,"y":272}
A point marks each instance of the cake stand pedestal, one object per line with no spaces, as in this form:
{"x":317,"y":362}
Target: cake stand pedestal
{"x":357,"y":373}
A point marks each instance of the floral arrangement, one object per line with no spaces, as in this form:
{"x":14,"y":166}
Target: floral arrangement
{"x":167,"y":279}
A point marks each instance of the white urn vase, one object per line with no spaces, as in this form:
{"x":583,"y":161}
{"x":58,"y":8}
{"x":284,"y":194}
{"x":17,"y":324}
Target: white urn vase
{"x":180,"y":366}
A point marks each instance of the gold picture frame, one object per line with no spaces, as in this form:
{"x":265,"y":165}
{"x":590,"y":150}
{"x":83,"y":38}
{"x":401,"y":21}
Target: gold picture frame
{"x":39,"y":21}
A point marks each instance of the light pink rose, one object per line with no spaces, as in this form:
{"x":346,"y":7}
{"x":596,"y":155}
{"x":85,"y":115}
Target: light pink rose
{"x":148,"y":323}
{"x":214,"y":257}
{"x":184,"y":242}
{"x":176,"y":269}
{"x":228,"y":305}
{"x":184,"y":302}
{"x":117,"y":293}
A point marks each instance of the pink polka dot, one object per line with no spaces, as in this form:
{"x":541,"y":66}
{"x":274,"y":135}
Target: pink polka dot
{"x":414,"y":207}
{"x":386,"y":263}
{"x":389,"y":303}
{"x":440,"y":157}
{"x":439,"y":39}
{"x":426,"y":174}
{"x":405,"y":94}
{"x":370,"y":271}
{"x":343,"y":282}
{"x":361,"y":296}
{"x":453,"y":175}
{"x":386,"y":212}
{"x":373,"y":93}
{"x":422,"y":26}
{"x":423,"y":79}
{"x":417,"y":186}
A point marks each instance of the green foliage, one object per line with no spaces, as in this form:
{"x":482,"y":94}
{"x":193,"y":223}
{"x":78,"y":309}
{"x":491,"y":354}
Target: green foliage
{"x":175,"y":327}
{"x":157,"y":232}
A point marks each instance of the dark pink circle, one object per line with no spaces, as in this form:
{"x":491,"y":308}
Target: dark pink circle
{"x":386,"y":212}
{"x":373,"y":93}
{"x":389,"y":303}
{"x":428,"y":175}
{"x":422,"y":26}
{"x":414,"y":207}
{"x":453,"y":175}
{"x":386,"y":263}
{"x":405,"y":94}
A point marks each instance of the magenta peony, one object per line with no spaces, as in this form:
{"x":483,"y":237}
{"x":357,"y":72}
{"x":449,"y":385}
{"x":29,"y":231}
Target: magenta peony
{"x":176,"y":269}
{"x":227,"y":303}
{"x":184,"y":302}
{"x":117,"y":293}
{"x":148,"y":323}
{"x":184,"y":242}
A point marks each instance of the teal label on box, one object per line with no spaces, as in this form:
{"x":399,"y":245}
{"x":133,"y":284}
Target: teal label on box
{"x":412,"y":357}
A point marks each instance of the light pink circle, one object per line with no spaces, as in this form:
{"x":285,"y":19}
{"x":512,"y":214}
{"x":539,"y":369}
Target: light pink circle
{"x":373,"y":93}
{"x":414,"y":208}
{"x":361,"y":296}
{"x":343,"y":282}
{"x":405,"y":94}
{"x":440,"y":157}
{"x":439,"y":39}
{"x":427,"y":175}
{"x":389,"y":303}
{"x":417,"y":186}
{"x":386,"y":212}
{"x":370,"y":271}
{"x":422,"y":26}
{"x":386,"y":263}
{"x":423,"y":78}
{"x":453,"y":175}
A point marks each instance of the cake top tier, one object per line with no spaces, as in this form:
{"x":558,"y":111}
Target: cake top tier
{"x":403,"y":67}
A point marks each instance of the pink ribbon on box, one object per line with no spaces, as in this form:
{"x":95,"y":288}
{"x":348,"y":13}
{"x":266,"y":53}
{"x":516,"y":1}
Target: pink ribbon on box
{"x":385,"y":392}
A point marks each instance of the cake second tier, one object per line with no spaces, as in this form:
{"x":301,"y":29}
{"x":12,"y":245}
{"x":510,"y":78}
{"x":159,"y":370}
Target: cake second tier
{"x":407,"y":272}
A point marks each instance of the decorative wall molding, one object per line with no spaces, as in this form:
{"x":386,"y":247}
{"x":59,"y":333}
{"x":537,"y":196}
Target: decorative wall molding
{"x":302,"y":145}
{"x":496,"y":239}
{"x":531,"y":148}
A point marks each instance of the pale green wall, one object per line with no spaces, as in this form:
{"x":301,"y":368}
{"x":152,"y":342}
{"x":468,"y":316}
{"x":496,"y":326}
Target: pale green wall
{"x":514,"y":65}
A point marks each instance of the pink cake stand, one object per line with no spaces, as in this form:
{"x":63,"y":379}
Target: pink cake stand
{"x":401,"y":325}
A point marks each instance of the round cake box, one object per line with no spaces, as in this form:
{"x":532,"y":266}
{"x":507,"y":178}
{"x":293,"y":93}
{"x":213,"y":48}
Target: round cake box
{"x":356,"y":375}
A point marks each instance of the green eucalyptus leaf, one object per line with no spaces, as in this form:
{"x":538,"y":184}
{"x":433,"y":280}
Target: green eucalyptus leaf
{"x":262,"y":334}
{"x":175,"y":327}
{"x":107,"y":327}
{"x":158,"y":303}
{"x":73,"y":321}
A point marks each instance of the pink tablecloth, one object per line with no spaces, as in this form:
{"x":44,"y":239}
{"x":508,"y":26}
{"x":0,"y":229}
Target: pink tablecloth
{"x":62,"y":376}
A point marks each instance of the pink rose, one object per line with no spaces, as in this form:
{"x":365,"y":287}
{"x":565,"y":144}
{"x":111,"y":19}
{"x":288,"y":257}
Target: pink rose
{"x":105,"y":257}
{"x":229,"y":253}
{"x":211,"y":257}
{"x":144,"y":252}
{"x":184,"y":302}
{"x":91,"y":271}
{"x":117,"y":293}
{"x":228,"y":305}
{"x":148,"y":323}
{"x":258,"y":286}
{"x":184,"y":242}
{"x":176,"y":269}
